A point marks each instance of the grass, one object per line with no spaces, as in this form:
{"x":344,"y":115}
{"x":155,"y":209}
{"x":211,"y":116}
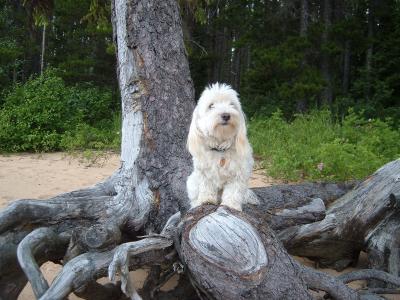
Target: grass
{"x":315,"y":147}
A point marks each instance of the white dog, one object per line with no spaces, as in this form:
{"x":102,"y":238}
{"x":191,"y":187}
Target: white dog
{"x":222,"y":155}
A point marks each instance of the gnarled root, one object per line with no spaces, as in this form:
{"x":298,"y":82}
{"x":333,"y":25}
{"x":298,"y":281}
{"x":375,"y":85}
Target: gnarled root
{"x":121,"y":260}
{"x":37,"y":243}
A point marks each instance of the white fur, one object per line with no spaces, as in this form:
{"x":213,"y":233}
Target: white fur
{"x":219,"y":176}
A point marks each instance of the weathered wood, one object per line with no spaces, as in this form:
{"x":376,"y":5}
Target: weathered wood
{"x":37,"y":243}
{"x":383,"y":246}
{"x":370,"y":274}
{"x":340,"y":236}
{"x":233,"y":256}
{"x":282,"y":206}
{"x":157,"y":102}
{"x":120,"y":263}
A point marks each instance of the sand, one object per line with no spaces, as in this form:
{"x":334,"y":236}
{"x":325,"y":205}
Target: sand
{"x":40,"y":176}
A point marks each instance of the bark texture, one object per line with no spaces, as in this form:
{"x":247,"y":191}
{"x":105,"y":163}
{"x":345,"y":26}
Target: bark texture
{"x":233,"y":256}
{"x":327,"y":93}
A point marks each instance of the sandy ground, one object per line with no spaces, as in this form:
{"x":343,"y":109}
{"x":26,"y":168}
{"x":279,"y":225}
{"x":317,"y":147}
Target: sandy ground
{"x":41,"y":176}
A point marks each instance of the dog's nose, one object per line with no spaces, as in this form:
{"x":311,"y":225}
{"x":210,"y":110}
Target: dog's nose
{"x":225,"y":117}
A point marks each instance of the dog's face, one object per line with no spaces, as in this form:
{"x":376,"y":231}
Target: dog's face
{"x":218,"y":114}
{"x":217,"y":117}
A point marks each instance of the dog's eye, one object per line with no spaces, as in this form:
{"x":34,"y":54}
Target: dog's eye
{"x":211,"y":106}
{"x":232,"y":104}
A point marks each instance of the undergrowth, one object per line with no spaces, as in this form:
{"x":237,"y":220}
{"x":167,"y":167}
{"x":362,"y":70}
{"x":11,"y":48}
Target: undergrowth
{"x":316,"y":147}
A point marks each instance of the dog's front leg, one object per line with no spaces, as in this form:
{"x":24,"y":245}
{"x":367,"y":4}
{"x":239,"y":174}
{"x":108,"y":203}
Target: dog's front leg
{"x":201,"y":190}
{"x":234,"y":194}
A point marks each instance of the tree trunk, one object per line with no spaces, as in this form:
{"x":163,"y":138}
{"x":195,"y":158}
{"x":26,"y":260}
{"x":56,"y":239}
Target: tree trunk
{"x":301,"y":104}
{"x":346,"y":67}
{"x":137,"y":217}
{"x":157,"y":102}
{"x":43,"y":49}
{"x":304,"y":15}
{"x":327,"y":93}
{"x":236,"y":64}
{"x":370,"y":49}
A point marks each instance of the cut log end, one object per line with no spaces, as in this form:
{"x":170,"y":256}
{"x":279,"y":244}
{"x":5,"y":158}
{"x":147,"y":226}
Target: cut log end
{"x":230,"y":243}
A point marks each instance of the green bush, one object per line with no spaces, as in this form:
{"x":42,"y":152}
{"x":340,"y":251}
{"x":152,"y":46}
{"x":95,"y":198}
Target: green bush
{"x":313,"y":146}
{"x":84,"y":136}
{"x":43,"y":113}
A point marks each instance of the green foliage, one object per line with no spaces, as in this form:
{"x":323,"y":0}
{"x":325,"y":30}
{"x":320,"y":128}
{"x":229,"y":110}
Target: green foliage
{"x":280,"y":79}
{"x":313,"y":146}
{"x":84,"y":136}
{"x":44,"y":115}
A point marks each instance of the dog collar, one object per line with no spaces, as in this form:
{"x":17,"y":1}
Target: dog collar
{"x":218,"y":149}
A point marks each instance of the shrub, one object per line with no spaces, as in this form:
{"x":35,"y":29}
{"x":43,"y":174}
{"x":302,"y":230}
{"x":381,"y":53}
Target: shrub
{"x":36,"y":115}
{"x":84,"y":136}
{"x":313,"y":146}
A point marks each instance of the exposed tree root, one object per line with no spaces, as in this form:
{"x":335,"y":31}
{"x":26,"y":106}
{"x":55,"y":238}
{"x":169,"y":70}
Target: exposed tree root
{"x":77,"y":273}
{"x":317,"y":280}
{"x":370,"y":274}
{"x":94,"y":221}
{"x":36,"y":243}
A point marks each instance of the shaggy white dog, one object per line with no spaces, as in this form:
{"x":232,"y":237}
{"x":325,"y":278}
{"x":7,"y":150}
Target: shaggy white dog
{"x":222,"y":155}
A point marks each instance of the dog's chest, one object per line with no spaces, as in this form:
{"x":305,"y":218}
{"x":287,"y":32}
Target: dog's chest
{"x":224,"y":167}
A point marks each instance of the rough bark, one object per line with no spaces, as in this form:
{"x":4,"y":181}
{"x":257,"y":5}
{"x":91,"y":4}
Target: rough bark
{"x":383,"y":245}
{"x":346,"y":67}
{"x":370,"y":49}
{"x":327,"y":93}
{"x":304,"y":18}
{"x":233,"y":256}
{"x":301,"y":104}
{"x":157,"y":101}
{"x":43,"y":49}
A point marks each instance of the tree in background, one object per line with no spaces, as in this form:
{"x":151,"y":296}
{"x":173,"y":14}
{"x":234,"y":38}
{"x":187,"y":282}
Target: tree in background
{"x":75,"y":35}
{"x":295,"y":55}
{"x":298,"y":55}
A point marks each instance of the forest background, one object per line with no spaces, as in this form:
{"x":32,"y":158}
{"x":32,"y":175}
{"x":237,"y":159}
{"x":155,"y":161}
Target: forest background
{"x":319,"y":80}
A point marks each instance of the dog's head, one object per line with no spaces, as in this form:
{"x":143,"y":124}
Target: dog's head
{"x":218,"y":119}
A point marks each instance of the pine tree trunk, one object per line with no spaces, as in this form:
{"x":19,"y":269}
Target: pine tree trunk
{"x":346,"y":67}
{"x":304,"y":17}
{"x":301,"y":104}
{"x":43,"y":49}
{"x":370,"y":49}
{"x":327,"y":93}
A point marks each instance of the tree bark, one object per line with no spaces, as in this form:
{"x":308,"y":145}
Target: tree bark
{"x":346,"y":67}
{"x":301,"y":104}
{"x":43,"y":49}
{"x":370,"y":49}
{"x":157,"y":102}
{"x":233,"y":256}
{"x":304,"y":17}
{"x":327,"y":93}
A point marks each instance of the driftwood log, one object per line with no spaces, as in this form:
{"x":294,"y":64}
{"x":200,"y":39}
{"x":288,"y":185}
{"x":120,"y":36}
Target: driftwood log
{"x":139,"y":216}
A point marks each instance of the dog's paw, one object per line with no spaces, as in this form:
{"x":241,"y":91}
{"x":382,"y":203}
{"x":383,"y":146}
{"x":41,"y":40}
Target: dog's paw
{"x":205,"y":200}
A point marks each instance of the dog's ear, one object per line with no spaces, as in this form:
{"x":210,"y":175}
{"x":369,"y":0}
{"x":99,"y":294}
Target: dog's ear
{"x":242,"y":143}
{"x":193,"y":141}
